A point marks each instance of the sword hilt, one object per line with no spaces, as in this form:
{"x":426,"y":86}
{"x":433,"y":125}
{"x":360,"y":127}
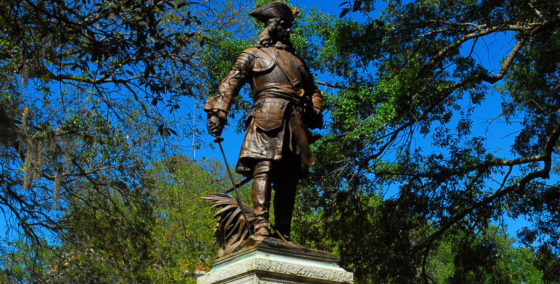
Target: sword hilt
{"x":218,"y":139}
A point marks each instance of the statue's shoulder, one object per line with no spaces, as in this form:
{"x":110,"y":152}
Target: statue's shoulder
{"x":253,"y":51}
{"x":261,"y":61}
{"x":256,"y":52}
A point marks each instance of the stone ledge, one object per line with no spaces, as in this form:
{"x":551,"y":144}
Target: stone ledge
{"x":273,"y":261}
{"x":266,"y":265}
{"x":278,"y":247}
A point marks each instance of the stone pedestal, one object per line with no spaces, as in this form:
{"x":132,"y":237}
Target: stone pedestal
{"x":270,"y":261}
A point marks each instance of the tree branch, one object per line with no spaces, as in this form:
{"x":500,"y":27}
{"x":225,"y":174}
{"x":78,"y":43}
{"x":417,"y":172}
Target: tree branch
{"x":519,"y":186}
{"x":336,"y":86}
{"x":507,"y":63}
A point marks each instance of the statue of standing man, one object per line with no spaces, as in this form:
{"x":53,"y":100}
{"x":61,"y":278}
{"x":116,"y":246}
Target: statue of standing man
{"x":286,"y":104}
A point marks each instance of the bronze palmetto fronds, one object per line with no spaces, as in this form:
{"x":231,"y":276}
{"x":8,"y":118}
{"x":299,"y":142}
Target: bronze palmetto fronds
{"x":232,"y":228}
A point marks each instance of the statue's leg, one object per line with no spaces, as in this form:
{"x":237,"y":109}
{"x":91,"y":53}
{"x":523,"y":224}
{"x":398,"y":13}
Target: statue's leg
{"x":261,"y":197}
{"x":284,"y":197}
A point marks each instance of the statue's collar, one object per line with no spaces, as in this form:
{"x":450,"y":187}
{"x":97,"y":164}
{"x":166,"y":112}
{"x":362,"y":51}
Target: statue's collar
{"x":283,"y":46}
{"x":277,"y":45}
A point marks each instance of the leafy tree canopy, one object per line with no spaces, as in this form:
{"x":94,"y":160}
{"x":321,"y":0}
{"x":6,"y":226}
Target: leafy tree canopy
{"x":406,"y":185}
{"x":89,"y":88}
{"x":404,"y":164}
{"x":159,"y":233}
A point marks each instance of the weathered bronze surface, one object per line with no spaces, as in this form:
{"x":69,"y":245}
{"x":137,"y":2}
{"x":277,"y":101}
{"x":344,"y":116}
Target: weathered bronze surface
{"x":286,"y":104}
{"x":276,"y":246}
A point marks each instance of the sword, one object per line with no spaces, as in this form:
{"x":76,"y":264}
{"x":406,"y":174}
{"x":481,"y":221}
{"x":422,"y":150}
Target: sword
{"x":238,"y":185}
{"x":219,"y":140}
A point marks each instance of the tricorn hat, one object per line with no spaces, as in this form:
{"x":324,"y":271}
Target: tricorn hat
{"x":275,"y":9}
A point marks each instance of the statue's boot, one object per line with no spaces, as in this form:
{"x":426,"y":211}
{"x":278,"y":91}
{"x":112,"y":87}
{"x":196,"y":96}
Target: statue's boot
{"x":261,"y":199}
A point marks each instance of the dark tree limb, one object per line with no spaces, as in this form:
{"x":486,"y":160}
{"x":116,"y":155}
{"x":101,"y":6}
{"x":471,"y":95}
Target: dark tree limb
{"x":546,"y":157}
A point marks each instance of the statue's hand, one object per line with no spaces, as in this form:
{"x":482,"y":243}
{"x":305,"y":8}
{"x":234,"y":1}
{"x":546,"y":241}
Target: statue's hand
{"x":317,"y":121}
{"x":215,"y":125}
{"x":317,"y":111}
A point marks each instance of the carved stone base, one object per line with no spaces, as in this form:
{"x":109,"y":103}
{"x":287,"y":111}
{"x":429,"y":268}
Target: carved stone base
{"x":272,"y":261}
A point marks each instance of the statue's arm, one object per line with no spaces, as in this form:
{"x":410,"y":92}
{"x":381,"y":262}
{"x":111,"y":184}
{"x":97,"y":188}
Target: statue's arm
{"x":314,"y":91}
{"x":316,"y":99}
{"x":316,"y":117}
{"x":217,"y":105}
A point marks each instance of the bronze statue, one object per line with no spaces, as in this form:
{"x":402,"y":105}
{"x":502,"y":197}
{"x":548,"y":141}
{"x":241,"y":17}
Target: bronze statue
{"x":287,"y":103}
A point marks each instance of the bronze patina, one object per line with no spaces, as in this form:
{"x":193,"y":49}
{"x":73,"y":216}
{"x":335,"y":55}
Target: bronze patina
{"x":286,"y":104}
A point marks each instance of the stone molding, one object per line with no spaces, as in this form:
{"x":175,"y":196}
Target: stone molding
{"x":271,"y":262}
{"x":265,"y":265}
